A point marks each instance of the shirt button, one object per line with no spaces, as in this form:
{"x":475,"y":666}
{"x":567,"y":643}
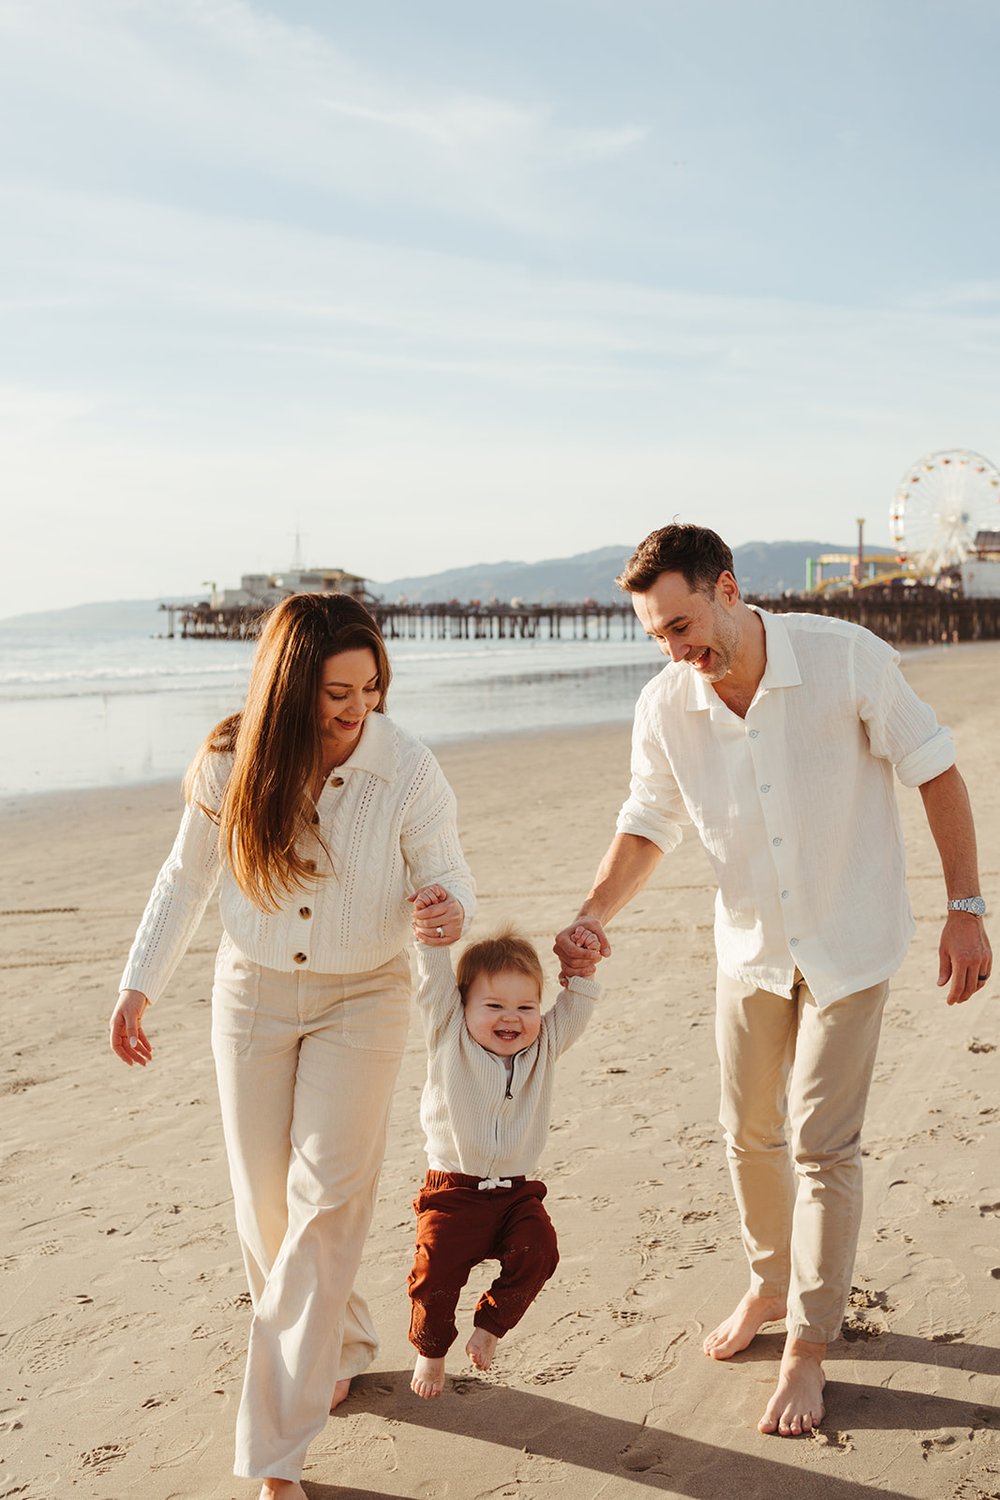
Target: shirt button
{"x":754,"y":733}
{"x":766,"y":787}
{"x":336,"y":781}
{"x":784,"y":895}
{"x":776,"y":842}
{"x":305,"y":912}
{"x":793,"y":942}
{"x":300,"y":958}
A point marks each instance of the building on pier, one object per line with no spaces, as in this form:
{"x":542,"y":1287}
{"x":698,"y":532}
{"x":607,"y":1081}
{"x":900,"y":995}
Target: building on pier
{"x":264,"y":589}
{"x":981,"y":569}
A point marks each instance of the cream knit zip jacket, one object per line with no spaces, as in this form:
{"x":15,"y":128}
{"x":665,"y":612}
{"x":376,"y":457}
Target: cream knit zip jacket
{"x":474,"y":1121}
{"x":388,"y":818}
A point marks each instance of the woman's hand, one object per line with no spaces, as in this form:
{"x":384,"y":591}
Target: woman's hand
{"x":437,"y":916}
{"x":128,"y":1040}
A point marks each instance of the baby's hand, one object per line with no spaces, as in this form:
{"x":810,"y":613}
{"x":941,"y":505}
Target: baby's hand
{"x":584,"y":938}
{"x":429,"y":895}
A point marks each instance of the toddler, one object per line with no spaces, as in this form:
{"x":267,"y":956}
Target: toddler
{"x":485,"y":1113}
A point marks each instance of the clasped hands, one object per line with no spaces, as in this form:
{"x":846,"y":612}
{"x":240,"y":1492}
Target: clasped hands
{"x":438,"y":918}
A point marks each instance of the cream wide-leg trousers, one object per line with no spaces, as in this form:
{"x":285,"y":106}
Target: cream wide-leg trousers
{"x":306,"y":1065}
{"x":799,"y":1195}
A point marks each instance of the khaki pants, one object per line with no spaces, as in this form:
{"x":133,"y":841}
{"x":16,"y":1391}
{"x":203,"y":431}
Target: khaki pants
{"x":306,"y":1065}
{"x":799,"y":1196}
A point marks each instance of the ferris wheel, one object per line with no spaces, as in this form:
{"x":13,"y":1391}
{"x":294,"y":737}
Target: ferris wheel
{"x":940,"y":505}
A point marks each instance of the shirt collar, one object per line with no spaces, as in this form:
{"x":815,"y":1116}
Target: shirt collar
{"x":377,"y":751}
{"x":781,"y":669}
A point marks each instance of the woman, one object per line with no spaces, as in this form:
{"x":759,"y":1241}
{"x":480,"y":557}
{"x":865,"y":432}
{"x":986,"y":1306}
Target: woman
{"x":318,"y":815}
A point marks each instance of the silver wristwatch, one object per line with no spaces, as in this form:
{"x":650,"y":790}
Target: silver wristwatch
{"x":975,"y":904}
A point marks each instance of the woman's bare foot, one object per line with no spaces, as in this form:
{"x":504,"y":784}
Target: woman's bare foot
{"x":282,"y":1489}
{"x":797,"y":1404}
{"x":341,"y":1391}
{"x":428,"y":1377}
{"x":481,"y":1348}
{"x":736,"y":1332}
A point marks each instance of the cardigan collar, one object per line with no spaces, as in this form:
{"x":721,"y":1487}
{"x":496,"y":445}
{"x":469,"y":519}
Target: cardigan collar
{"x":781,"y":669}
{"x":377,"y":751}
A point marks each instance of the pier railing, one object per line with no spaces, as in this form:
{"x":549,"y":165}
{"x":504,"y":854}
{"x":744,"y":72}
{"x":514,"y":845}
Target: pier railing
{"x":905,"y":617}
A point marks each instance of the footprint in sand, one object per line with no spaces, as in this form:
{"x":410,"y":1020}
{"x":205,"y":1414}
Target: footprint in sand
{"x":101,"y":1459}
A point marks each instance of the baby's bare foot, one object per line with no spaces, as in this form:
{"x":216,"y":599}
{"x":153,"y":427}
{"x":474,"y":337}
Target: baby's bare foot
{"x":736,"y":1332}
{"x":797,"y":1404}
{"x":282,"y":1489}
{"x":481,"y":1348}
{"x":341,"y":1391}
{"x":428,"y":1377}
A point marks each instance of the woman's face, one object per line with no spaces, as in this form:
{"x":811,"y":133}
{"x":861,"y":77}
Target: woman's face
{"x":348,"y":693}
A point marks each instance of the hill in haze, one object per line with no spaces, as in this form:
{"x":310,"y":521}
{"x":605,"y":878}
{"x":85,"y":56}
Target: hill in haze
{"x":769,"y":569}
{"x":765,"y":568}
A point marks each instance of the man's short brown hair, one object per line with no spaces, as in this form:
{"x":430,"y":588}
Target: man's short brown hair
{"x":504,"y":951}
{"x":694,"y":551}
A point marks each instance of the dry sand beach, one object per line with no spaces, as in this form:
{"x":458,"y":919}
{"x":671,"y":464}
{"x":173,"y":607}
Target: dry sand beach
{"x":124,"y":1309}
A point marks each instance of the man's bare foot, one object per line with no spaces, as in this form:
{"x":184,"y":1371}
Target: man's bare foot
{"x":341,"y":1391}
{"x":428,"y":1377}
{"x":282,"y":1489}
{"x":481,"y":1348}
{"x":735,"y":1332}
{"x":797,"y":1403}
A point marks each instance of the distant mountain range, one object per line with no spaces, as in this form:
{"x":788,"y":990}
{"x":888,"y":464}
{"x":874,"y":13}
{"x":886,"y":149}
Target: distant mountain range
{"x":763,"y":568}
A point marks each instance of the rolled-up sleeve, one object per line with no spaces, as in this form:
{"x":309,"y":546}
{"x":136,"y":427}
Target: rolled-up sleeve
{"x":654,"y":808}
{"x":901,"y":727}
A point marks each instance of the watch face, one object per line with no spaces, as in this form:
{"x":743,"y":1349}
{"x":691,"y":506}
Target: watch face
{"x":975,"y":904}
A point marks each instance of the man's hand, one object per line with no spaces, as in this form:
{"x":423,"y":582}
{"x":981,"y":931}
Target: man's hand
{"x":579,"y":948}
{"x":965,"y":956}
{"x":437,"y":916}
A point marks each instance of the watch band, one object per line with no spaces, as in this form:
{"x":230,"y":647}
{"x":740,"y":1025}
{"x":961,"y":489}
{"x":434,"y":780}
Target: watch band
{"x":975,"y":904}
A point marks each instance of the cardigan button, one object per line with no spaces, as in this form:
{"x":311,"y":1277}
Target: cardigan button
{"x":336,"y":781}
{"x":300,"y":958}
{"x":305,"y":912}
{"x":315,"y":818}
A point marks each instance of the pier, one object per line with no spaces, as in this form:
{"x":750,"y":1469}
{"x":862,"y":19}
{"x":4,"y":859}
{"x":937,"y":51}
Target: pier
{"x":904,"y":616}
{"x":479,"y":622}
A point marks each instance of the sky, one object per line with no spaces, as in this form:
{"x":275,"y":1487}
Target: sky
{"x":454,"y":282}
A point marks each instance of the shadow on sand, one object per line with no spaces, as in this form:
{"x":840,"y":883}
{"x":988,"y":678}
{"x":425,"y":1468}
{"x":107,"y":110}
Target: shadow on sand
{"x":673,"y":1461}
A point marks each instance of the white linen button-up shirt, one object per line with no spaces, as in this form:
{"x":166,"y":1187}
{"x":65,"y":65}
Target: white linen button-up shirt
{"x":795,"y":804}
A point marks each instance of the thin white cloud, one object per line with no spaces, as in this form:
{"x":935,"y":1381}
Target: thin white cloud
{"x":232,"y":87}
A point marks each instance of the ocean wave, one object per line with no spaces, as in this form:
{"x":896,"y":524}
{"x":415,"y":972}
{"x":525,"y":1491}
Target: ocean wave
{"x":16,"y":688}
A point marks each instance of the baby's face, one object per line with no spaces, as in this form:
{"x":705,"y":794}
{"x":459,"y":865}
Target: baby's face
{"x":503,"y":1011}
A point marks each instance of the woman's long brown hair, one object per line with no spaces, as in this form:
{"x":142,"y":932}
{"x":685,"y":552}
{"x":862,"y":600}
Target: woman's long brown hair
{"x":267,"y":805}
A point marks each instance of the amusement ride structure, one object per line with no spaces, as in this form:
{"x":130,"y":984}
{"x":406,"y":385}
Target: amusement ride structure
{"x":943,"y":503}
{"x":940,"y":507}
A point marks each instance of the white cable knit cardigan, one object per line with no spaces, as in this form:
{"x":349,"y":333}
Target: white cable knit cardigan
{"x":388,"y":818}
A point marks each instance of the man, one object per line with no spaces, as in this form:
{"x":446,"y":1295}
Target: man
{"x":777,"y":735}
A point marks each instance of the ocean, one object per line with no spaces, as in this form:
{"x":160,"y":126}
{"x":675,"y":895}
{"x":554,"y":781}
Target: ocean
{"x":113,"y":708}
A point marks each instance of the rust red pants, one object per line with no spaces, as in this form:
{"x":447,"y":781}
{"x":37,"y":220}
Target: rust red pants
{"x":458,"y":1226}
